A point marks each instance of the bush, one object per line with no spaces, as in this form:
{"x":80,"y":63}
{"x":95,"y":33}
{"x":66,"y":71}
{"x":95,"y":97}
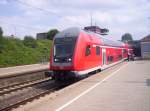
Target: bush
{"x":1,"y":44}
{"x":29,"y":41}
{"x":1,"y":48}
{"x":1,"y":32}
{"x":14,"y":52}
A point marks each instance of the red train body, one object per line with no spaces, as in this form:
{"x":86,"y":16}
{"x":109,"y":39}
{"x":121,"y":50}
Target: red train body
{"x":77,"y":52}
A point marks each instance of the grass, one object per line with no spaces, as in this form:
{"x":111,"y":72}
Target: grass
{"x":13,"y":52}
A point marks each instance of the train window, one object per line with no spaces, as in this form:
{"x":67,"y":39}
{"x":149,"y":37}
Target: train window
{"x":110,"y":59}
{"x":119,"y":57}
{"x":124,"y":51}
{"x":87,"y":52}
{"x":97,"y":50}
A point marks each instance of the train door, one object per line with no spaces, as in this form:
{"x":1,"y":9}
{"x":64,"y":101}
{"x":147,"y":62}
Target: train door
{"x":104,"y":56}
{"x":122,"y":53}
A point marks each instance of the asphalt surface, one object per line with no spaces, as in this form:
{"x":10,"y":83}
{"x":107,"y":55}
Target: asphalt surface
{"x":125,"y":87}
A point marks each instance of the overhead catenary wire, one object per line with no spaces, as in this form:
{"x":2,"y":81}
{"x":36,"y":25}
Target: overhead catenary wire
{"x":30,"y":27}
{"x":38,"y":8}
{"x":25,"y":27}
{"x":46,"y":11}
{"x":21,"y":25}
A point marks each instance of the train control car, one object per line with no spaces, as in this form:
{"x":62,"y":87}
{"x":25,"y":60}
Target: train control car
{"x":77,"y":52}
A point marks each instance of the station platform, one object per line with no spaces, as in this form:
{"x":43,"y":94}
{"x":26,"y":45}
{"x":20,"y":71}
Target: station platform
{"x":125,"y":87}
{"x":127,"y":90}
{"x":10,"y":71}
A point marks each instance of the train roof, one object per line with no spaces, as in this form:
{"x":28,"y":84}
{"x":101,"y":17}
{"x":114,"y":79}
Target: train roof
{"x":111,"y":42}
{"x":74,"y":32}
{"x":70,"y":32}
{"x":106,"y":41}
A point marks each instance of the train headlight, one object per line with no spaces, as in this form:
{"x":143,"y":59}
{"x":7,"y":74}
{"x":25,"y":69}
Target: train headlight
{"x":55,"y":60}
{"x":69,"y":59}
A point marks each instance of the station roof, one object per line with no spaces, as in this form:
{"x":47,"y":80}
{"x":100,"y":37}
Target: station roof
{"x":146,"y":39}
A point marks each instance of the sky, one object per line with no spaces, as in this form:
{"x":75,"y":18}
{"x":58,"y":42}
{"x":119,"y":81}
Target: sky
{"x":28,"y":17}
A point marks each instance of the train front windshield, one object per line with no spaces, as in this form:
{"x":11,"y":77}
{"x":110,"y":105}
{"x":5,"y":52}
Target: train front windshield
{"x":63,"y":50}
{"x":64,"y":47}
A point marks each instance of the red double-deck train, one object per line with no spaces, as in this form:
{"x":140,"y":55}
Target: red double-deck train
{"x":78,"y":52}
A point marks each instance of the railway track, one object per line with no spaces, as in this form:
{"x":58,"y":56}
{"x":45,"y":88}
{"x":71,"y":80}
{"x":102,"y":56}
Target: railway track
{"x":13,"y":97}
{"x":9,"y":89}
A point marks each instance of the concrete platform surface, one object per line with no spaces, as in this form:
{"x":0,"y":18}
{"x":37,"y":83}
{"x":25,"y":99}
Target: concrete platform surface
{"x":22,"y":69}
{"x":122,"y":88}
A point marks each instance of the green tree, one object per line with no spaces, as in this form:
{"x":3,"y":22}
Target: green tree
{"x":1,"y":40}
{"x":126,"y":37}
{"x":1,"y":32}
{"x":51,"y":34}
{"x":29,"y":41}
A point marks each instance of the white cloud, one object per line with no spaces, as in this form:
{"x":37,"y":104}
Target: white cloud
{"x":119,"y":16}
{"x":3,"y":2}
